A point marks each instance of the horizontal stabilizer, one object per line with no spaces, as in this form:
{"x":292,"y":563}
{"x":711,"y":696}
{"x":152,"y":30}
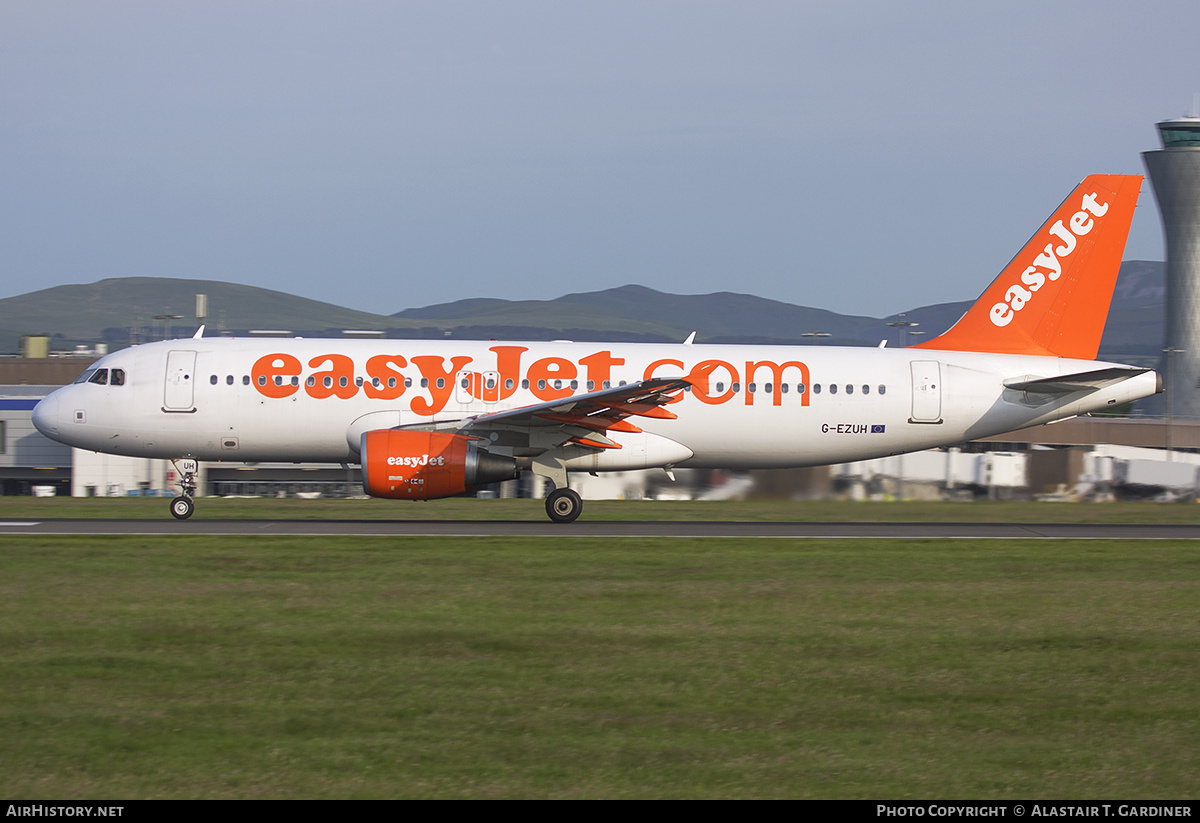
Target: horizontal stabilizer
{"x":1067,"y":383}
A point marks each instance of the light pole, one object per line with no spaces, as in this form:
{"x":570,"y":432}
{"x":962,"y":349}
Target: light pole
{"x":164,"y":318}
{"x":904,"y":326}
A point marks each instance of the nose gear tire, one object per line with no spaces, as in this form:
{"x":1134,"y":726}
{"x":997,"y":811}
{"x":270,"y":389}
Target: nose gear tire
{"x":182,"y":508}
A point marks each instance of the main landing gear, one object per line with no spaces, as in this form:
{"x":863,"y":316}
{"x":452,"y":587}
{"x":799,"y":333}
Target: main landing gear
{"x":183,"y":506}
{"x":564,"y":505}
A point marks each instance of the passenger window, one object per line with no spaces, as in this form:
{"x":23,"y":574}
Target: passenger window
{"x":466,"y":383}
{"x":116,"y":377}
{"x":524,"y":384}
{"x":328,"y":381}
{"x":607,"y":384}
{"x":882,"y":389}
{"x":213,"y":379}
{"x":799,"y":388}
{"x":490,"y":384}
{"x":278,"y":380}
{"x":833,"y":388}
{"x":441,"y":382}
{"x":866,"y":389}
{"x":751,"y":387}
{"x":816,"y":388}
{"x":737,"y":387}
{"x":358,"y":381}
{"x":508,"y":384}
{"x":246,"y":380}
{"x":408,"y":382}
{"x":311,"y":381}
{"x":262,"y":380}
{"x":720,"y":388}
{"x":767,"y":388}
{"x":849,"y":388}
{"x":392,"y":382}
{"x":229,"y":380}
{"x":295,"y":380}
{"x":343,"y":382}
{"x":100,"y":378}
{"x":558,"y":384}
{"x":424,"y":382}
{"x":375,"y":381}
{"x":541,"y":385}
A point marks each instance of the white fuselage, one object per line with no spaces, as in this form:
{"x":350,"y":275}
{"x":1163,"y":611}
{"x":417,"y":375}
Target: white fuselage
{"x":309,"y":400}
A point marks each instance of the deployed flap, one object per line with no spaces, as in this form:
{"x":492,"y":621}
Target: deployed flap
{"x":1053,"y":298}
{"x":583,"y":419}
{"x":1067,"y":383}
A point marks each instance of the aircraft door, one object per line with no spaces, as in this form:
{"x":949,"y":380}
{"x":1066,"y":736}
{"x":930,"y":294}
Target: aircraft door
{"x":178,"y":389}
{"x":491,"y":386}
{"x":926,"y":392}
{"x":464,"y":387}
{"x":474,"y":386}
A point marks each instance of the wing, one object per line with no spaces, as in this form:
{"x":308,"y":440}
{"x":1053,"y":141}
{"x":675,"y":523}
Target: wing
{"x":582,"y":419}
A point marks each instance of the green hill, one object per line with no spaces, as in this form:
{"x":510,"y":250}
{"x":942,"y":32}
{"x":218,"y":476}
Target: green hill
{"x":119,"y":311}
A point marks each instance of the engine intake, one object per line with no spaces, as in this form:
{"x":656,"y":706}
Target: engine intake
{"x":416,"y":465}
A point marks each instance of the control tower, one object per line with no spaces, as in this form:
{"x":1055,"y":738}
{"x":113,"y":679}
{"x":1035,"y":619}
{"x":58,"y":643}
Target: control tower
{"x":1175,"y":174}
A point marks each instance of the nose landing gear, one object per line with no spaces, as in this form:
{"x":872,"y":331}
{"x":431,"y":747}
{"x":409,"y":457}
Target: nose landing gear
{"x":183,"y":506}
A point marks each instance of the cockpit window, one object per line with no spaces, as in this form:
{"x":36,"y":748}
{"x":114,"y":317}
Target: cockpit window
{"x":103,"y":377}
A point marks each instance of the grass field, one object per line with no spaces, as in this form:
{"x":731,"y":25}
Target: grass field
{"x":488,"y":667}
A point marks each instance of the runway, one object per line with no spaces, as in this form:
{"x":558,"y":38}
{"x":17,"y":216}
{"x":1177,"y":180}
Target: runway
{"x":697,"y":530}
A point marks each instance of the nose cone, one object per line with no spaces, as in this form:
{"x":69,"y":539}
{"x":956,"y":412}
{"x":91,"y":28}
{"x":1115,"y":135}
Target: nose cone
{"x":45,"y":415}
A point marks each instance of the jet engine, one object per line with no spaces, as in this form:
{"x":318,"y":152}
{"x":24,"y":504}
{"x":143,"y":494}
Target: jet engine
{"x":417,"y":465}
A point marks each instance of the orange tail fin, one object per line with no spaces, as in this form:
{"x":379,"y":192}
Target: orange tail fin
{"x":1053,"y":298}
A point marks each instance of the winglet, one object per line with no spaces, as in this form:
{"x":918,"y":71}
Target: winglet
{"x":1053,"y":298}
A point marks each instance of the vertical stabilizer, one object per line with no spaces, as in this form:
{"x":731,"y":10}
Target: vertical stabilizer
{"x":1053,"y":298}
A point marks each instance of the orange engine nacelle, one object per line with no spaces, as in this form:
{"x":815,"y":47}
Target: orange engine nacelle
{"x":415,"y":465}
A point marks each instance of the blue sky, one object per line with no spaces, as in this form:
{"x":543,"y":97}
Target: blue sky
{"x":861,"y":157}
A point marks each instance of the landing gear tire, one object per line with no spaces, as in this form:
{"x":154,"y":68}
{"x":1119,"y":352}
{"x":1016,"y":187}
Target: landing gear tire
{"x":563,"y":505}
{"x":182,"y":508}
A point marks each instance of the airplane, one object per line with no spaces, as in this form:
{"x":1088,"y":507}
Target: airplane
{"x":431,"y":419}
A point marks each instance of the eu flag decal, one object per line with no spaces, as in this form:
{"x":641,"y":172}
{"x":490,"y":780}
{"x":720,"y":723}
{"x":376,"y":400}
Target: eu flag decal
{"x":876,"y":429}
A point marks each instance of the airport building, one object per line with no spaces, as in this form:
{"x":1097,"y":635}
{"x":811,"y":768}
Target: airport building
{"x":29,"y":462}
{"x":1175,"y":175}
